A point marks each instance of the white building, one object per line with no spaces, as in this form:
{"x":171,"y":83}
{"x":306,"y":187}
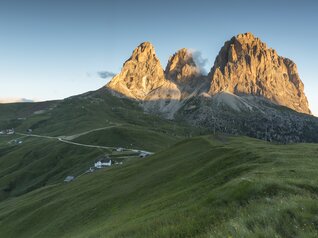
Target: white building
{"x":103,"y":163}
{"x":10,"y":131}
{"x":69,"y":179}
{"x":7,"y":132}
{"x":144,"y":154}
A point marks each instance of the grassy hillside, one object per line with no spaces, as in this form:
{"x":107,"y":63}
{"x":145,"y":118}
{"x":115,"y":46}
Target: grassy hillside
{"x":95,"y":110}
{"x":15,"y":114}
{"x":81,"y":113}
{"x":41,"y":161}
{"x":129,"y":136}
{"x":202,"y":187}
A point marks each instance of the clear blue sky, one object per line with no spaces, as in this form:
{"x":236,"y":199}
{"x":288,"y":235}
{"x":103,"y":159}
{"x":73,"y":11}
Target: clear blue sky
{"x":54,"y":49}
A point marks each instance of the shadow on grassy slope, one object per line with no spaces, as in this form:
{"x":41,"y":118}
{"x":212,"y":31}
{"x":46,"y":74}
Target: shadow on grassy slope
{"x":202,"y":187}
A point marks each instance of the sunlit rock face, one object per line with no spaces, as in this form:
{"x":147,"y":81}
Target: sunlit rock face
{"x":140,"y":74}
{"x":142,"y":78}
{"x":246,"y":66}
{"x":242,"y":94}
{"x":183,"y":71}
{"x":181,"y":67}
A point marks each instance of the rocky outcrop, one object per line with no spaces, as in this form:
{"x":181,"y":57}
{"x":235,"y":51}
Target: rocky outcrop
{"x":141,"y":74}
{"x":181,"y":67}
{"x":246,"y":66}
{"x":142,"y":78}
{"x":249,"y":115}
{"x":242,"y":93}
{"x":183,"y":71}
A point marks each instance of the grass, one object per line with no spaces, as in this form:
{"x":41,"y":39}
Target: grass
{"x":15,"y":114}
{"x":208,"y":186}
{"x":211,"y":186}
{"x":39,"y":162}
{"x":96,"y":110}
{"x":85,"y":112}
{"x":129,"y":136}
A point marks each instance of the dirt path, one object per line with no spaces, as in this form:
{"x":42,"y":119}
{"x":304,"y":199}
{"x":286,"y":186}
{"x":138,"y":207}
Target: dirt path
{"x":72,"y":137}
{"x":65,"y":139}
{"x":86,"y":145}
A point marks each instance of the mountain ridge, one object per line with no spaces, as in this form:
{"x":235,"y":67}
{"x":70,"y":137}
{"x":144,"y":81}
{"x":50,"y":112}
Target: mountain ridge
{"x":244,"y":66}
{"x":250,"y":90}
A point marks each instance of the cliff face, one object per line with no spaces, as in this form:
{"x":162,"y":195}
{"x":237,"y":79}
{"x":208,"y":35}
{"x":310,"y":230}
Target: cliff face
{"x":140,"y":74}
{"x":181,"y":67}
{"x":246,"y":66}
{"x":142,"y":78}
{"x":183,"y":71}
{"x":242,"y":93}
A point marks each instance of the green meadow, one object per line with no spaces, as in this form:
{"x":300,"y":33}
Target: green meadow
{"x":210,"y":186}
{"x":195,"y":185}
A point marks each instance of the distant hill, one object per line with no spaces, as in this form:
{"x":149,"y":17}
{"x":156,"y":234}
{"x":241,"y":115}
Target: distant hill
{"x":14,"y":100}
{"x":40,"y":161}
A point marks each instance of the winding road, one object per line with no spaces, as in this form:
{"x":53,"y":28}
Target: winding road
{"x":67,"y":140}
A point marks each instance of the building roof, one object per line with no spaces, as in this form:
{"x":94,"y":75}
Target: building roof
{"x":105,"y":160}
{"x":69,"y":178}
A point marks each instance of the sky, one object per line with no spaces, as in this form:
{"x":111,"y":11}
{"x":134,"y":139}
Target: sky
{"x":55,"y":49}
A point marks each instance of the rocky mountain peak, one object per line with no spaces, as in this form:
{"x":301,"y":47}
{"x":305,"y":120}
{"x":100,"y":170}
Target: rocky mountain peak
{"x":140,"y":74}
{"x":145,"y":51}
{"x":248,"y":36}
{"x":245,"y":65}
{"x":181,"y":66}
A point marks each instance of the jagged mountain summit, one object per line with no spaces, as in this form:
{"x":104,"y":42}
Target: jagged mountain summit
{"x":181,"y":67}
{"x":140,"y":74}
{"x":246,"y":66}
{"x":250,"y":90}
{"x":183,"y":71}
{"x":142,"y":78}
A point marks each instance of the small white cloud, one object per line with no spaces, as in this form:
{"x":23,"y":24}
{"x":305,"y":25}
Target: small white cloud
{"x":106,"y":74}
{"x":199,"y":60}
{"x":12,"y":100}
